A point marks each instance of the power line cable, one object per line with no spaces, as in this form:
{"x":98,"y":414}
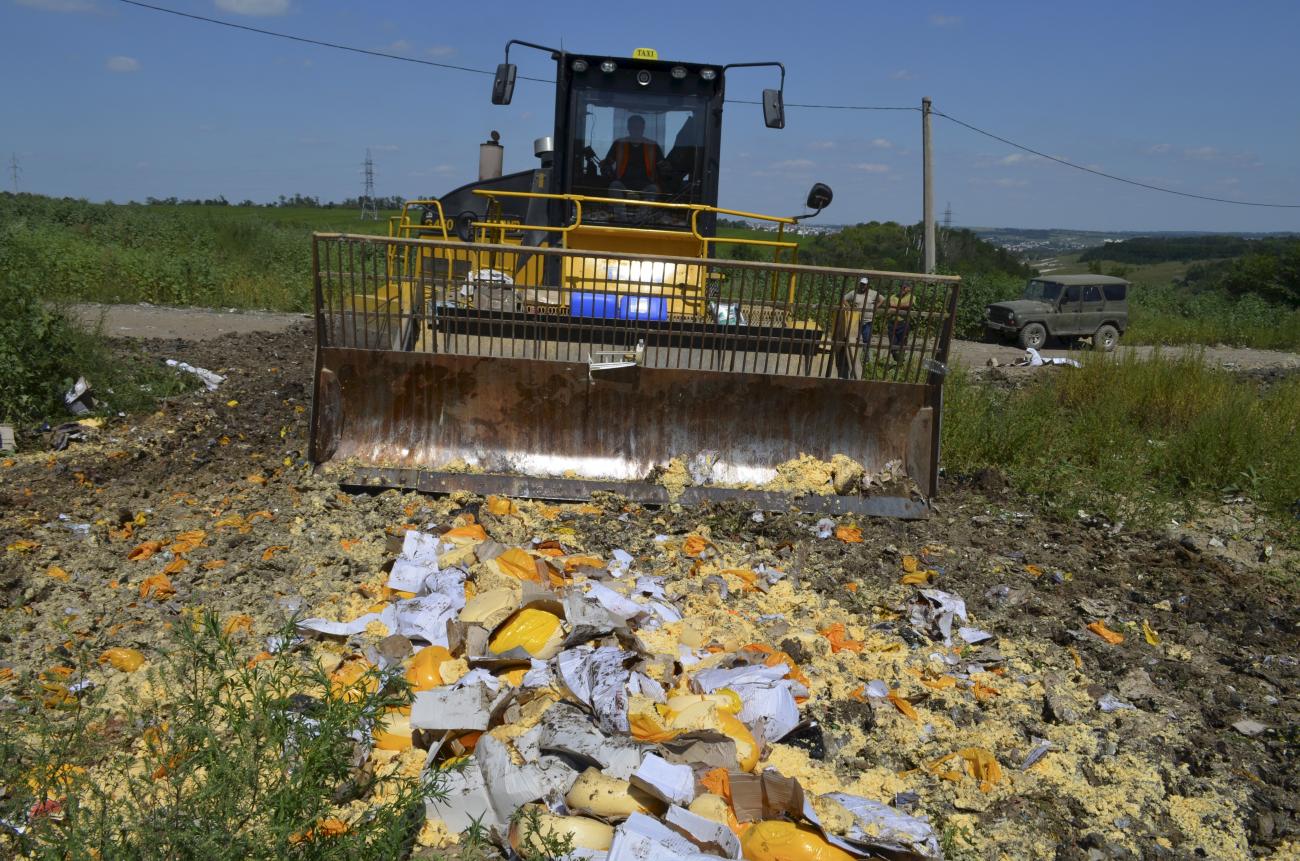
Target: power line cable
{"x":1111,"y":176}
{"x":318,"y":42}
{"x":830,"y":107}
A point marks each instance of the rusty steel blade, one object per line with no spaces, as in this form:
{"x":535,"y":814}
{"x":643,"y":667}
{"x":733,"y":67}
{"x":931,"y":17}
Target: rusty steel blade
{"x":545,"y":418}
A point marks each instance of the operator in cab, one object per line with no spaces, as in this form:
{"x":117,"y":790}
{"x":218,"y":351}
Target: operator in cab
{"x":633,"y":160}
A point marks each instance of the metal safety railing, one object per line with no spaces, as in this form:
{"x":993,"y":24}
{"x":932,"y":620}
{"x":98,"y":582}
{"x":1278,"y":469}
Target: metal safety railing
{"x":495,"y":300}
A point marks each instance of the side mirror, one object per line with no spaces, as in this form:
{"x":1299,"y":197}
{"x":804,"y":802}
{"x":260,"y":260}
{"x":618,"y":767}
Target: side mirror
{"x":773,"y":109}
{"x":819,"y":197}
{"x":503,"y":85}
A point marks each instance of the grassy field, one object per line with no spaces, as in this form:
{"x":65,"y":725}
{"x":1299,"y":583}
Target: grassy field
{"x":1151,"y":273}
{"x":215,"y":256}
{"x":1135,"y":439}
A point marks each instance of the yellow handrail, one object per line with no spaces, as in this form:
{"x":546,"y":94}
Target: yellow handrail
{"x":405,"y":224}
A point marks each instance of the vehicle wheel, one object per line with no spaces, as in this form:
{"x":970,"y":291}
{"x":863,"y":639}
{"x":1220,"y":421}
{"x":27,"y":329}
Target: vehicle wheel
{"x":1033,"y":335}
{"x":1105,"y":339}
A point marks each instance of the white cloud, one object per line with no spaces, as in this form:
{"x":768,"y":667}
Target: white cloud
{"x":822,"y":145}
{"x":794,"y":164}
{"x":122,"y":64}
{"x":58,"y":5}
{"x":436,"y":51}
{"x":882,"y":143}
{"x":938,"y":20}
{"x":254,"y":8}
{"x":1159,"y":149}
{"x":901,"y":75}
{"x":871,"y":167}
{"x":401,"y":46}
{"x":1201,"y":153}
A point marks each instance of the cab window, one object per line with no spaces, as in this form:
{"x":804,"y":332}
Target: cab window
{"x":1071,"y":294}
{"x":1116,"y":292}
{"x":638,"y":146}
{"x":1092,"y":293}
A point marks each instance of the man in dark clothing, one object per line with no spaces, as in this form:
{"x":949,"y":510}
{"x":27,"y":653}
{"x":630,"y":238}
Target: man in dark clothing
{"x":633,"y":160}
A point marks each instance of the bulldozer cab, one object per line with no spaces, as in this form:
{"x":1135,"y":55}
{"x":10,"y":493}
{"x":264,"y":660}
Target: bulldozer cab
{"x":580,"y":327}
{"x":643,"y":130}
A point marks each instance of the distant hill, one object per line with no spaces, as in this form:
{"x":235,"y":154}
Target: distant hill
{"x":898,"y":247}
{"x":1158,"y":249}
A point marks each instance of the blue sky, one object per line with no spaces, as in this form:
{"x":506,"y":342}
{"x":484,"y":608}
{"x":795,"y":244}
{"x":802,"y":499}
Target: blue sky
{"x":108,"y":101}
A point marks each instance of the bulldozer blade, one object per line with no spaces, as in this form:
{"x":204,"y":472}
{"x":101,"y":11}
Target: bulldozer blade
{"x":399,"y":414}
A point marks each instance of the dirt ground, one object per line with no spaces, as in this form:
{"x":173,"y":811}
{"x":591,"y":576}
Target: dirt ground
{"x":1196,"y":761}
{"x":196,"y":324}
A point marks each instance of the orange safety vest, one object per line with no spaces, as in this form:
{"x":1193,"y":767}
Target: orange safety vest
{"x":625,"y":155}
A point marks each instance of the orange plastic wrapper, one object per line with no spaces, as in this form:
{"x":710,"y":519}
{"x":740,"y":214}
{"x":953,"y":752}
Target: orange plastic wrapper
{"x":175,"y":566}
{"x":903,"y":706}
{"x":983,"y":692}
{"x":270,"y":552}
{"x":326,"y":828}
{"x":840,"y":641}
{"x":126,"y":660}
{"x":694,"y":545}
{"x":518,"y":564}
{"x":977,"y":763}
{"x":849,"y":534}
{"x":1099,"y":628}
{"x":157,"y":586}
{"x":939,"y":683}
{"x":238,"y":622}
{"x":143,"y":551}
{"x":781,"y":840}
{"x":748,"y":577}
{"x":500,"y":506}
{"x":910,"y":564}
{"x":573,"y":563}
{"x":57,"y":573}
{"x":187,"y":541}
{"x":916,"y":578}
{"x":473,"y":532}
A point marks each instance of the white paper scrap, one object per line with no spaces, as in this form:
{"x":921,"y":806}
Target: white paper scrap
{"x":641,"y":838}
{"x":879,"y":824}
{"x":664,"y":780}
{"x":355,"y":626}
{"x":706,"y":833}
{"x":973,"y":635}
{"x":620,"y":606}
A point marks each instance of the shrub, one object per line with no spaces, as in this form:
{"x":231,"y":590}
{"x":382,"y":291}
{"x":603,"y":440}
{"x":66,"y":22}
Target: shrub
{"x":237,"y":759}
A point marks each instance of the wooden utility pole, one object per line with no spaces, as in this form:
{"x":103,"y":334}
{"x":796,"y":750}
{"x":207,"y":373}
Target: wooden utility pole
{"x":927,"y":182}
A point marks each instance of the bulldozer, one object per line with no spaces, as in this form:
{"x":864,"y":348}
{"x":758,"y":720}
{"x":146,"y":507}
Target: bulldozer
{"x":587,"y":325}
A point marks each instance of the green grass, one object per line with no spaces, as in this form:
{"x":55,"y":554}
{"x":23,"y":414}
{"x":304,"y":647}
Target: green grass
{"x":1137,"y":440}
{"x":211,"y":256}
{"x":1165,"y":272}
{"x":234,"y":760}
{"x":42,"y":352}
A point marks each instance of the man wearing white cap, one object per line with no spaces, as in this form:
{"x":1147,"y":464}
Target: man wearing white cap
{"x":857,"y":309}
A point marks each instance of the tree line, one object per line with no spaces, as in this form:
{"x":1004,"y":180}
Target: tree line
{"x":301,"y":201}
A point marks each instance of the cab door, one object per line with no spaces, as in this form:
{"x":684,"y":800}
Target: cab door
{"x":1066,"y":319}
{"x":1092,"y":308}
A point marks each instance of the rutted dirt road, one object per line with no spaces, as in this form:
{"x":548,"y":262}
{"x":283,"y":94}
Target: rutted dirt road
{"x":200,"y":324}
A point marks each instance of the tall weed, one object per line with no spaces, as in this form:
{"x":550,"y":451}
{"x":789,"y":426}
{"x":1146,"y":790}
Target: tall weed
{"x":1132,"y":438}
